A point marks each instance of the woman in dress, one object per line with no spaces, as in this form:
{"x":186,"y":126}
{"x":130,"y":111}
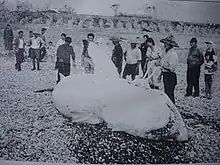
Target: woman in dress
{"x":154,"y":67}
{"x":8,"y":38}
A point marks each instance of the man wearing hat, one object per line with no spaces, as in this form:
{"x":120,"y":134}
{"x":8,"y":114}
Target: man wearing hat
{"x":169,"y":64}
{"x":117,"y":56}
{"x":194,"y":61}
{"x":36,"y":44}
{"x":63,"y":58}
{"x":133,"y":60}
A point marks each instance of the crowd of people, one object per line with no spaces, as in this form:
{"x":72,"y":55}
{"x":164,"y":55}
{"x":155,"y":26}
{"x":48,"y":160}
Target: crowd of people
{"x":157,"y":64}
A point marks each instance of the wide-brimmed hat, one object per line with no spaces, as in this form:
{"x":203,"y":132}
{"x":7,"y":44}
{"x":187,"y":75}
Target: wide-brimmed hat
{"x":209,"y":42}
{"x":170,"y":40}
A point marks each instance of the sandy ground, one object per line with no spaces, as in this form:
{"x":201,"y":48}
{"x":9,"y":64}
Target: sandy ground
{"x":31,"y":129}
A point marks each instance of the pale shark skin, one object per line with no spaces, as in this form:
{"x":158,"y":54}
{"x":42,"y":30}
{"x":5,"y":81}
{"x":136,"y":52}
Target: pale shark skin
{"x":125,"y":106}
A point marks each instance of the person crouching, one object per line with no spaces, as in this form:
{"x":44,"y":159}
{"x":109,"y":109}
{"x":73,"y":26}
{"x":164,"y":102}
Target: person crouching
{"x":63,"y":58}
{"x":36,"y":43}
{"x":133,"y":59}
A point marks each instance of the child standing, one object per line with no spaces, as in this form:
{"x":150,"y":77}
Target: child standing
{"x":210,"y":68}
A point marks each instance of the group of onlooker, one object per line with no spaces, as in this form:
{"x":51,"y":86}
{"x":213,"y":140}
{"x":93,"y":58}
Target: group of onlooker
{"x":156,"y":63}
{"x":36,"y":44}
{"x":159,"y":63}
{"x":194,"y":62}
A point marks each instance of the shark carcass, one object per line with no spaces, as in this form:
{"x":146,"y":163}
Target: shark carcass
{"x":127,"y":107}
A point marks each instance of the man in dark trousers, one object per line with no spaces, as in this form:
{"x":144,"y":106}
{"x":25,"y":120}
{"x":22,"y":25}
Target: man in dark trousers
{"x":169,"y":65}
{"x":117,"y":56}
{"x":19,"y":46}
{"x":36,"y":44}
{"x":31,"y":34}
{"x":143,"y":49}
{"x":63,"y":58}
{"x":133,"y":59}
{"x":194,"y":62}
{"x":43,"y":50}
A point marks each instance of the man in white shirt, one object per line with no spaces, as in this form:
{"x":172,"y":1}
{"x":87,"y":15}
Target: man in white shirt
{"x":19,"y":46}
{"x":31,"y":34}
{"x":133,"y":60}
{"x":169,"y":64}
{"x":36,"y":44}
{"x":43,"y":50}
{"x":61,"y":41}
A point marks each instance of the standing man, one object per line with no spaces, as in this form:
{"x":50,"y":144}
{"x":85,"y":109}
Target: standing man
{"x":143,"y":49}
{"x":43,"y":50}
{"x":19,"y":46}
{"x":31,"y":34}
{"x":86,"y":60}
{"x":168,"y":65}
{"x":194,"y":62}
{"x":117,"y":56}
{"x":133,"y":60}
{"x":63,"y":56}
{"x":61,"y":41}
{"x":36,"y":44}
{"x":8,"y":38}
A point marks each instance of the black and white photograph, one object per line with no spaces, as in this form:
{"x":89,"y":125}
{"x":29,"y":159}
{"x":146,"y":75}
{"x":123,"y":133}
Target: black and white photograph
{"x":109,"y":82}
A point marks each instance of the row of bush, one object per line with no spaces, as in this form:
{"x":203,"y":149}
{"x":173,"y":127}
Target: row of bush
{"x":52,"y":17}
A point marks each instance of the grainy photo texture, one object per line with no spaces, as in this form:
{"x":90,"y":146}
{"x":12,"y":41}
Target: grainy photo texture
{"x":110,"y":82}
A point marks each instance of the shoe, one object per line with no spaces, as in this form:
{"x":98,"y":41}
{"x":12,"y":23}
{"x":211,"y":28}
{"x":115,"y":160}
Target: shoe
{"x":33,"y":69}
{"x":205,"y":96}
{"x":195,"y":95}
{"x":187,"y":95}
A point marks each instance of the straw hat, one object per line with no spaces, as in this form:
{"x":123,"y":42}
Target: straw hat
{"x":170,"y":40}
{"x":209,"y":42}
